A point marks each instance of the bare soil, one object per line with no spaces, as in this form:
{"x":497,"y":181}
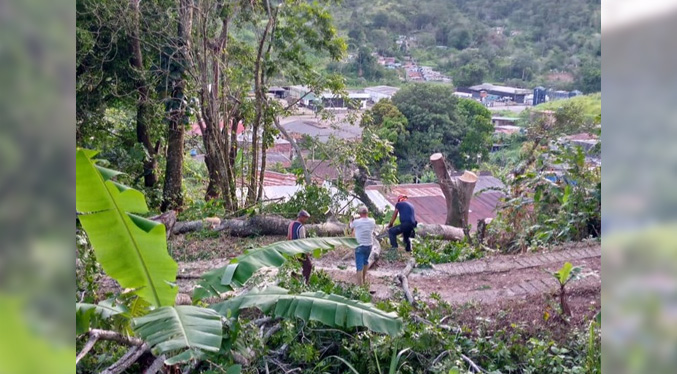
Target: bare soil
{"x":498,"y":291}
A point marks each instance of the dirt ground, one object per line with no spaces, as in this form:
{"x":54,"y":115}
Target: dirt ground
{"x":502,"y":290}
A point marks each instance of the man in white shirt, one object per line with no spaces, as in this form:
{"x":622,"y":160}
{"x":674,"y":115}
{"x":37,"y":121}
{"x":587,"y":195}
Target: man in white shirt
{"x":363,"y":228}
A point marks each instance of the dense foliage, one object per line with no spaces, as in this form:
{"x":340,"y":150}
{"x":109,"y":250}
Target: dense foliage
{"x":515,"y":42}
{"x":436,"y":121}
{"x":554,"y":189}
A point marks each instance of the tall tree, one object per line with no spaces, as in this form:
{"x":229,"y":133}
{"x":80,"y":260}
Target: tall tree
{"x":174,"y":65}
{"x":143,"y":108}
{"x":438,"y":122}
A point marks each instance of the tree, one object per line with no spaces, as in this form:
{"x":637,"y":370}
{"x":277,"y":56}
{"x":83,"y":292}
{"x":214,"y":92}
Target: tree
{"x":457,"y":191}
{"x":434,"y":124}
{"x":366,"y":66}
{"x":470,"y":75}
{"x":590,"y":79}
{"x":174,"y":63}
{"x":385,"y":120}
{"x":476,"y":143}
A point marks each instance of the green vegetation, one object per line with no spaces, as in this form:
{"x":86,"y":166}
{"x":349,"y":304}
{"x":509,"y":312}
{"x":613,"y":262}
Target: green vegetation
{"x":590,"y":106}
{"x":149,"y":73}
{"x":517,"y":43}
{"x":433,"y":121}
{"x":429,"y":251}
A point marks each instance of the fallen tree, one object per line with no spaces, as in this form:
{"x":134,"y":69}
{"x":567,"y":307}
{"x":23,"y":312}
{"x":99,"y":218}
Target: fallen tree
{"x":276,"y":225}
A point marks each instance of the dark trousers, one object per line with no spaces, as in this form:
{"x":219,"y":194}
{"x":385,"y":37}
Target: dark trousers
{"x":307,"y":267}
{"x":406,"y":230}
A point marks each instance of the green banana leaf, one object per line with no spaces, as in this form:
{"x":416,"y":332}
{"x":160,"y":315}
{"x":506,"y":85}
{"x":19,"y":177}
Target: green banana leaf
{"x":182,"y":332}
{"x":331,"y":310}
{"x":85,"y":311}
{"x":241,"y":268}
{"x":131,"y":249}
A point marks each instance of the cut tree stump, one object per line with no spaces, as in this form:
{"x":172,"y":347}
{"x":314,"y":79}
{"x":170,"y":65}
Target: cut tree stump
{"x":457,"y":190}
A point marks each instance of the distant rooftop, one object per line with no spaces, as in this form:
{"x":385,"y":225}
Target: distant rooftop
{"x":430,"y":205}
{"x":502,"y":89}
{"x":385,"y":90}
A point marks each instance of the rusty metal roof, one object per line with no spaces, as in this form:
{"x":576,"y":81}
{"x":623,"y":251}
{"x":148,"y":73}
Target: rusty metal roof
{"x":430,"y":205}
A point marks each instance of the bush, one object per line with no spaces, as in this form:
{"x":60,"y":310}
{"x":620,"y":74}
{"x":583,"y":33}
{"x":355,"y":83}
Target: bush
{"x":431,"y":251}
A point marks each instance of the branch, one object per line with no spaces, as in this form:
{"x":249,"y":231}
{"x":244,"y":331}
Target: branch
{"x":90,"y":344}
{"x":116,"y":337}
{"x":293,"y":143}
{"x":472,"y":364}
{"x":156,"y":365}
{"x":402,"y":279}
{"x":127,"y":360}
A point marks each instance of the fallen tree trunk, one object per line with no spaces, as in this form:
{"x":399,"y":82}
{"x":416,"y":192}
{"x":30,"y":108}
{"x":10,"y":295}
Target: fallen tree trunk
{"x":275,"y":225}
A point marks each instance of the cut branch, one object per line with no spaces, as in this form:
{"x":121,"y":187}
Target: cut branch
{"x":127,"y":360}
{"x":472,"y":364}
{"x":90,"y":344}
{"x":404,"y":282}
{"x":156,"y":365}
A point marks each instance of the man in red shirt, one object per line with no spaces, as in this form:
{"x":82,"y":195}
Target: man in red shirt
{"x":297,"y":231}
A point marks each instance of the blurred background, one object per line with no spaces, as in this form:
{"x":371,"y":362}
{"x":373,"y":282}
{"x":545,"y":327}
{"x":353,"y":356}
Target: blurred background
{"x":37,"y":117}
{"x":639,"y":184}
{"x":639,"y":115}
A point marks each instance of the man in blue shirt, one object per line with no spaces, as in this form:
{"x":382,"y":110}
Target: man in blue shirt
{"x":407,"y":223}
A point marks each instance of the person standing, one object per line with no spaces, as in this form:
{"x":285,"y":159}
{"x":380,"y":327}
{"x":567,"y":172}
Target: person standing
{"x":296,"y":230}
{"x":363,"y":228}
{"x":407,"y":223}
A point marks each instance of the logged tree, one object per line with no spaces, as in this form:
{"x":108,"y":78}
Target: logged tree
{"x":457,"y":190}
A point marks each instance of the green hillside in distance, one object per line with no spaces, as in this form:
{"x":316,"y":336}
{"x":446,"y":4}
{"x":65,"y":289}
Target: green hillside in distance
{"x":526,"y":43}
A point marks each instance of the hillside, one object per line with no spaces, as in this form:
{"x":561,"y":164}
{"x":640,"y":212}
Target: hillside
{"x":522,"y":43}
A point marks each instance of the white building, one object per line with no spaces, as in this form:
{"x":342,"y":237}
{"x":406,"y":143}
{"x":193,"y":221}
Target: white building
{"x":378,"y":93}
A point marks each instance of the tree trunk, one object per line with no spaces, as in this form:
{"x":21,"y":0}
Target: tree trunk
{"x":457,"y":190}
{"x":276,"y":225}
{"x":359,"y":189}
{"x":142,"y":110}
{"x":172,"y":196}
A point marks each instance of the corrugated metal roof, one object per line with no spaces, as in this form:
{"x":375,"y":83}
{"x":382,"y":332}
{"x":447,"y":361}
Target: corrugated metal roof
{"x":430,"y":205}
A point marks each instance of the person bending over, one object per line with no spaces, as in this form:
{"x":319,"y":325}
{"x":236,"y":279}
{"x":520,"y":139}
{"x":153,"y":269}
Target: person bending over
{"x":407,"y":223}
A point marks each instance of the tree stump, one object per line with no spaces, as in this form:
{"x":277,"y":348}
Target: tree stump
{"x":457,"y":190}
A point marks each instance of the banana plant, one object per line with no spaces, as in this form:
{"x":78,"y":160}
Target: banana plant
{"x":130,"y":248}
{"x":241,"y":268}
{"x":331,"y":310}
{"x":133,"y":251}
{"x":563,"y":276}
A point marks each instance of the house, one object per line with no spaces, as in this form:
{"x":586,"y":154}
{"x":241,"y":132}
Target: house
{"x":278,"y":92}
{"x":324,"y":170}
{"x":483,"y":90}
{"x":430,"y":205}
{"x":504,"y":121}
{"x":377,"y":93}
{"x":356,"y":100}
{"x":303,"y":94}
{"x":584,"y":140}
